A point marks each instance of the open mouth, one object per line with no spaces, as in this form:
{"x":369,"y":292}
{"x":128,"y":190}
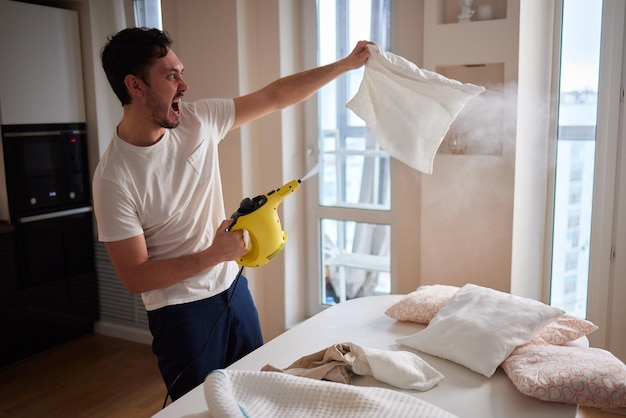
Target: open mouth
{"x":176,"y":103}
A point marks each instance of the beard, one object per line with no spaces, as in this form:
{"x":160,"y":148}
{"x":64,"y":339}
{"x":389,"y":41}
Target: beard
{"x":159,"y":111}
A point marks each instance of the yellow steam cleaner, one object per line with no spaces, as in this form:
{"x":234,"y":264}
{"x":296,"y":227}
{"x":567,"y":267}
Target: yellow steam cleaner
{"x":259,"y":216}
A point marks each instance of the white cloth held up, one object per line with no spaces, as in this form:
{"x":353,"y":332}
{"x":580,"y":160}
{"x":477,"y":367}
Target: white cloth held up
{"x":408,"y":109}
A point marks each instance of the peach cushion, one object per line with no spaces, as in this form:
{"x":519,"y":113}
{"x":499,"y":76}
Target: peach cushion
{"x":422,"y":304}
{"x":575,"y":375}
{"x":565,"y":329}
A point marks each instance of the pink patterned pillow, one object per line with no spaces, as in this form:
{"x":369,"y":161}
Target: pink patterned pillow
{"x":422,"y":304}
{"x":565,"y":329}
{"x":574,"y":375}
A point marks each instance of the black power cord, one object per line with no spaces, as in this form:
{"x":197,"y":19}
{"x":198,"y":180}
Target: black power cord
{"x":206,"y":342}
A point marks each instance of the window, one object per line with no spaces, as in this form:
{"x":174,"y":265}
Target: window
{"x":354,"y":173}
{"x":578,"y":98}
{"x":352,"y":267}
{"x":147,"y":13}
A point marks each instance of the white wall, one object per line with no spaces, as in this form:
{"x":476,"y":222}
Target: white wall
{"x":532,"y":148}
{"x":407,"y":40}
{"x":467,"y":203}
{"x":231,"y":48}
{"x":104,"y":110}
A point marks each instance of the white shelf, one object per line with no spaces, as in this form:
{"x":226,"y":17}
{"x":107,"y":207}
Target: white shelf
{"x":478,"y":52}
{"x":447,"y":11}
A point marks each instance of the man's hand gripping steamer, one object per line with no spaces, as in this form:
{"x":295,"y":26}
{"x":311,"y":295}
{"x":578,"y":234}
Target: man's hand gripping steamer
{"x":259,"y":217}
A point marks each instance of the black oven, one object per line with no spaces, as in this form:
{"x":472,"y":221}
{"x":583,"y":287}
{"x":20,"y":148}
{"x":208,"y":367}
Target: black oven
{"x":46,"y":167}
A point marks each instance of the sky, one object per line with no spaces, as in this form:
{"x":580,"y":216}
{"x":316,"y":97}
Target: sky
{"x":582,"y":21}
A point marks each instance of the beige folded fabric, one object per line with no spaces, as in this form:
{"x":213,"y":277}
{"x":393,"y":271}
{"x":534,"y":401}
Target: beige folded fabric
{"x":333,"y":363}
{"x":339,"y":362}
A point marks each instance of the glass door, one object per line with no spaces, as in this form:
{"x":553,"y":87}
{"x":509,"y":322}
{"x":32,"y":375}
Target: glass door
{"x":353,"y":202}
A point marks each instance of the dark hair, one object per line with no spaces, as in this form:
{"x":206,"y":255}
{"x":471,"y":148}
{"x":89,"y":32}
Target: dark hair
{"x":132,"y":51}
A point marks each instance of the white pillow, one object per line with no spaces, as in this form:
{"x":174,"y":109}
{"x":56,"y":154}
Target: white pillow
{"x":480,"y":327}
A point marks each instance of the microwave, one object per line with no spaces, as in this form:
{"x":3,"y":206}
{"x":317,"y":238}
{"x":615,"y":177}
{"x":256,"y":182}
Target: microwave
{"x":46,"y":167}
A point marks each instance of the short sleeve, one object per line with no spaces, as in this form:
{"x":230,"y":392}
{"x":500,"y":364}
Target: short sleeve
{"x":116,"y":215}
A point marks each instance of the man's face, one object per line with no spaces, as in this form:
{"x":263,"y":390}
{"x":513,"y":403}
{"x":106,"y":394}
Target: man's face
{"x":165,"y":87}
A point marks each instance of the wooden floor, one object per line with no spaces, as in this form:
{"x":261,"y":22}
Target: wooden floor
{"x":93,"y":376}
{"x":98,"y":376}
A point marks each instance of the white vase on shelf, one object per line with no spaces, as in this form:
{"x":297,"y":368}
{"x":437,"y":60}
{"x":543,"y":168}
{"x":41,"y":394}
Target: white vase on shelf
{"x":466,"y":10}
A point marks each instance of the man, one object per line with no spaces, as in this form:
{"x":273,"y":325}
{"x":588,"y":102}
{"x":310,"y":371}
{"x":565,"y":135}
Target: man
{"x":159,"y":206}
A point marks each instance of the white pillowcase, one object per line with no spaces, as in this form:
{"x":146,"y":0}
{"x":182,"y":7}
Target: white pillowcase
{"x":480,"y":327}
{"x":408,"y":109}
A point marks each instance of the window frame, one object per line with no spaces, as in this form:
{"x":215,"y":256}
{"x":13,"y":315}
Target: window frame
{"x":355,"y":213}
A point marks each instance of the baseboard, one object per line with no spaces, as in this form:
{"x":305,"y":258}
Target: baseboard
{"x":124,"y":331}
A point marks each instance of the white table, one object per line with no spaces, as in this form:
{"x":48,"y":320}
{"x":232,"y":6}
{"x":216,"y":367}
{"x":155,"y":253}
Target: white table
{"x":362,"y":321}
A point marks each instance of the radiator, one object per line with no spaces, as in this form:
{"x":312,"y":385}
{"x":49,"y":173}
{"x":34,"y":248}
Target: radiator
{"x":116,"y":303}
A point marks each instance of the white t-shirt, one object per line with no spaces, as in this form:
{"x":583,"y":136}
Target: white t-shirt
{"x":171,"y":192}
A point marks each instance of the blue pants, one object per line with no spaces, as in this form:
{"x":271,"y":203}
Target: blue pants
{"x":181,"y":331}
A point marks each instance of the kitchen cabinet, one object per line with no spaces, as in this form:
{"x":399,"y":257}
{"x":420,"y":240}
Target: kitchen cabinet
{"x":41,"y":79}
{"x":48,"y":283}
